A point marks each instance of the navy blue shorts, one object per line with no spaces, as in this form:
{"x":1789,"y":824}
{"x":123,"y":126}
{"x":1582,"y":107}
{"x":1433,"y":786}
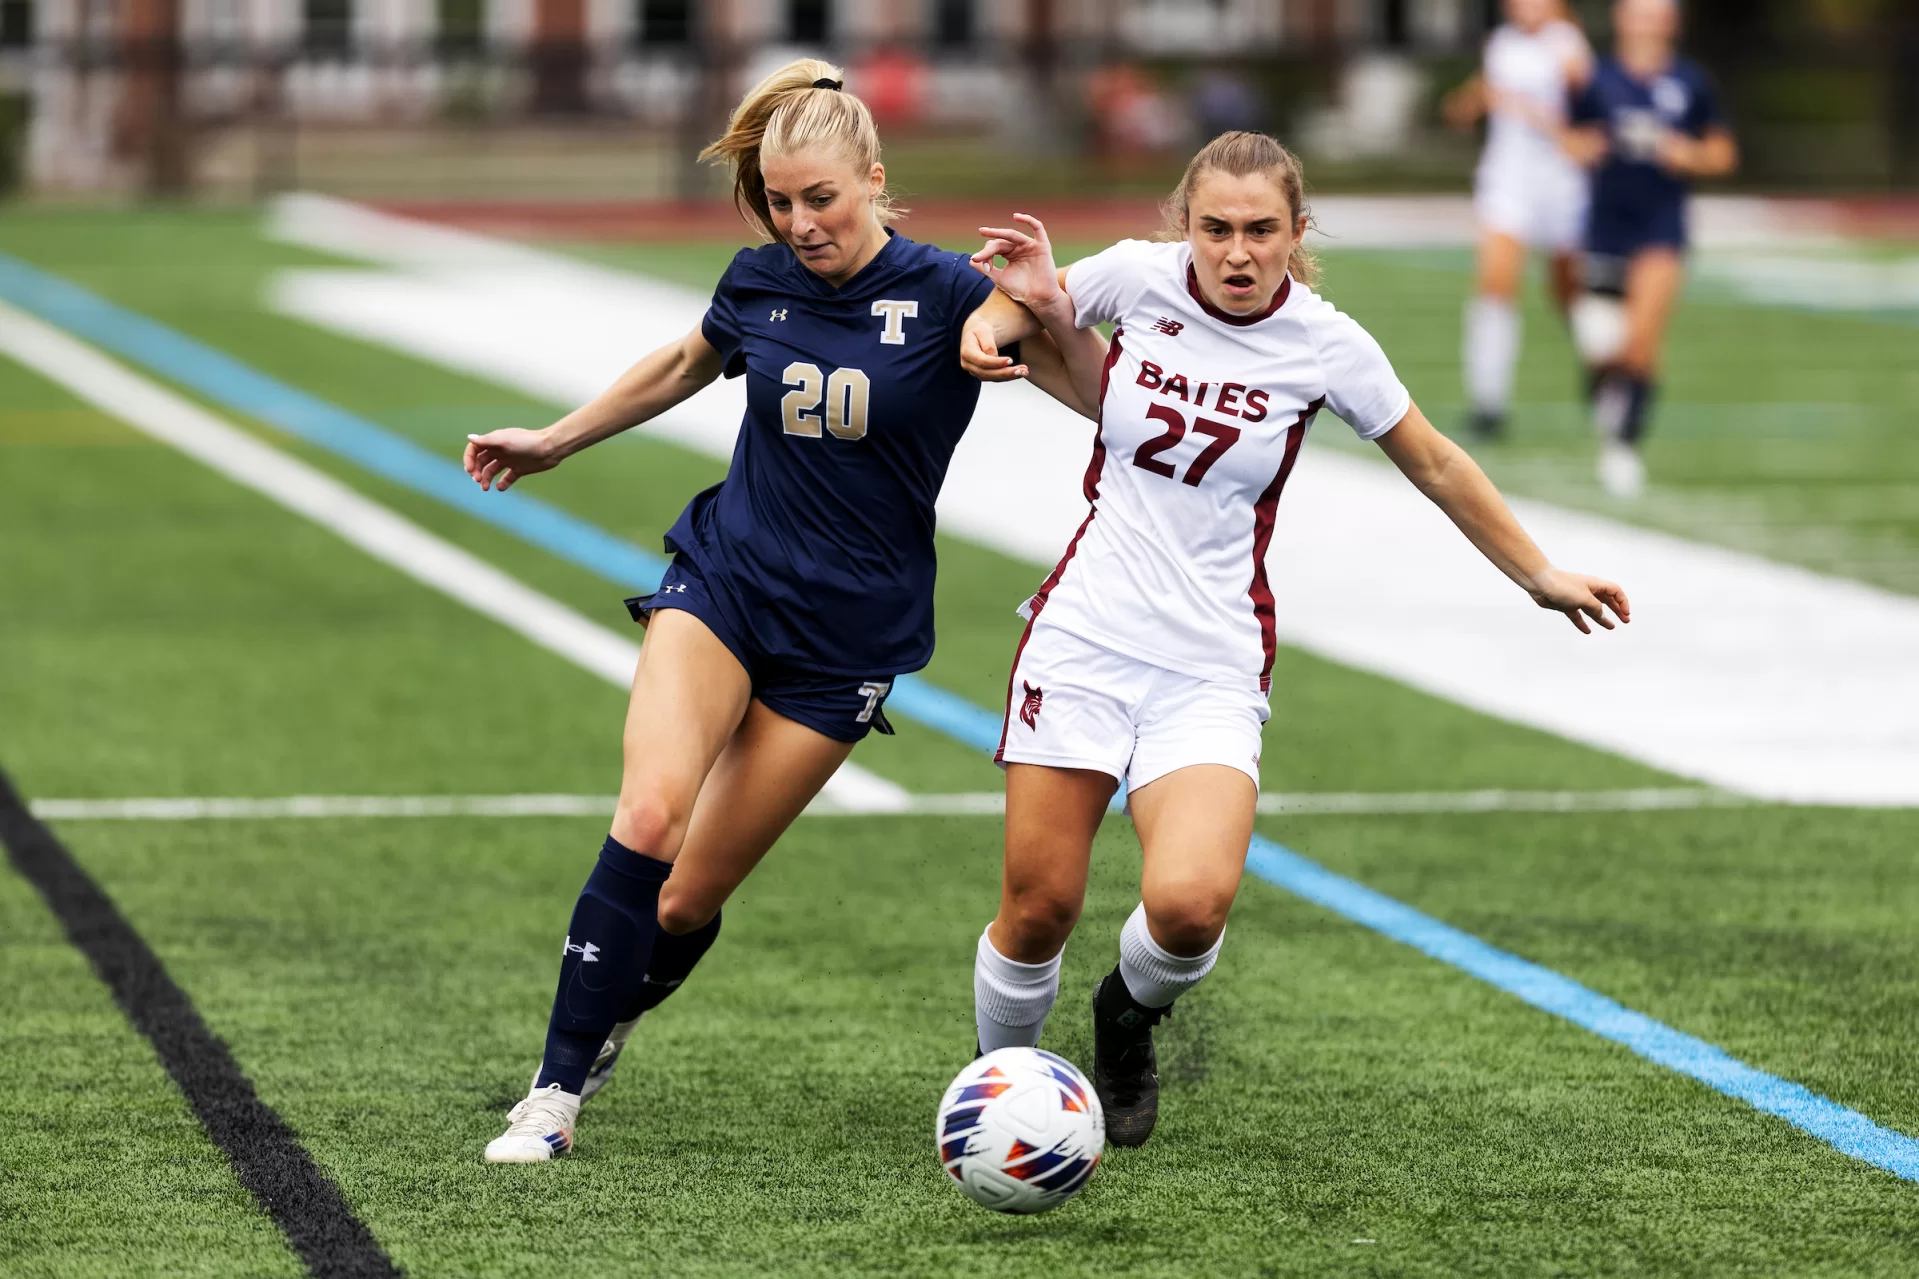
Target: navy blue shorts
{"x":843,"y":707}
{"x":1617,"y":232}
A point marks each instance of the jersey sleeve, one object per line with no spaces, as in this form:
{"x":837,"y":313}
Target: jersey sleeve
{"x":721,"y":327}
{"x":1584,"y":105}
{"x":1360,"y":383}
{"x":1105,"y":285}
{"x":970,"y":289}
{"x":1702,"y":109}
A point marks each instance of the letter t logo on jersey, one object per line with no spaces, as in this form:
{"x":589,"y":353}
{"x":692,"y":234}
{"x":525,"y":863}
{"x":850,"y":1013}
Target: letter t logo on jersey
{"x":897,"y":313}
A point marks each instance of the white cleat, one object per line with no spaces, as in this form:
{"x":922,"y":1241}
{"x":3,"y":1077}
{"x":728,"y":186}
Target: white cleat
{"x":609,"y":1057}
{"x":537,"y":1129}
{"x":1621,"y":473}
{"x":603,"y":1063}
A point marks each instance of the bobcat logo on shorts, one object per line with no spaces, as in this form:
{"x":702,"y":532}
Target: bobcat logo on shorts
{"x":1029,"y":709}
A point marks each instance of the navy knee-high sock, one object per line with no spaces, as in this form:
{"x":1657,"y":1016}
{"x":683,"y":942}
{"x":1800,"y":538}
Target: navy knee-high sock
{"x":674,"y":955}
{"x":608,"y":946}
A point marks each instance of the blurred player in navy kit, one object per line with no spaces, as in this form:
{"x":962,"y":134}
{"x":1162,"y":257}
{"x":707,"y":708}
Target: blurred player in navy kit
{"x":800,"y":587}
{"x":1648,"y":122}
{"x":1527,"y":192}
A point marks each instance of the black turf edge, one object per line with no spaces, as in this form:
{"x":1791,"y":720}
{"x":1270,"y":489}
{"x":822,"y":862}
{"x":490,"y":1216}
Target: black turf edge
{"x":266,"y":1155}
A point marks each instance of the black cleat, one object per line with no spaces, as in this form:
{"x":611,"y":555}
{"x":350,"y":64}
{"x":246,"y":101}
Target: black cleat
{"x":1125,"y":1071}
{"x":1486,"y":426}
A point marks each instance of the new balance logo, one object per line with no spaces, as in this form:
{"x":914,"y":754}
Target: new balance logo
{"x":779,"y":313}
{"x":588,"y":953}
{"x":1029,"y":709}
{"x":1170,"y":328}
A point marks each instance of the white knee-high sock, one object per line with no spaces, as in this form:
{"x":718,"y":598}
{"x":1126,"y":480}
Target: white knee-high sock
{"x":1492,"y":352}
{"x":1153,"y":975}
{"x":1011,"y":999}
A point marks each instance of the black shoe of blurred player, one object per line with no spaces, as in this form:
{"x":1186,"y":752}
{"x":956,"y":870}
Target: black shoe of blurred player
{"x":1482,"y":425}
{"x":1125,"y":1071}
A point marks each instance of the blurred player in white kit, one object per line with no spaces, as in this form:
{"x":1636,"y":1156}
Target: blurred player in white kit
{"x":1528,"y":193}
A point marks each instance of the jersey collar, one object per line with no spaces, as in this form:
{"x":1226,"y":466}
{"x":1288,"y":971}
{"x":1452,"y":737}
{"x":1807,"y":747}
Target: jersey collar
{"x":864,"y":278}
{"x":1279,"y":299}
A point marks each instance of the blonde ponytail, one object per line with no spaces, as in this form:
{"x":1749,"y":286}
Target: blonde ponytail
{"x":788,"y":112}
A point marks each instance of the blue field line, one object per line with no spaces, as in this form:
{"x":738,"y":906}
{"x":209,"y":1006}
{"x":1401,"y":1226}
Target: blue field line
{"x":1844,"y":1129}
{"x":227,"y":381}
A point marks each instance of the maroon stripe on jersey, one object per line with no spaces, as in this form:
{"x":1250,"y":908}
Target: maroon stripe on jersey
{"x":1227,"y":317}
{"x":1090,"y":486}
{"x":1264,"y":512}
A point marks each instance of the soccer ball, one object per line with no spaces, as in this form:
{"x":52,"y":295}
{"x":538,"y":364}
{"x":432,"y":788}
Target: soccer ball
{"x":1020,"y":1130}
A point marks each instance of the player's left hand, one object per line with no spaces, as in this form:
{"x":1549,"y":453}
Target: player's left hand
{"x":979,"y":353}
{"x":1029,"y":276}
{"x":1580,"y":597}
{"x":1676,"y":153}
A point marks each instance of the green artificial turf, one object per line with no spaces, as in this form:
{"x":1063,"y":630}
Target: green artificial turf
{"x":385,"y":982}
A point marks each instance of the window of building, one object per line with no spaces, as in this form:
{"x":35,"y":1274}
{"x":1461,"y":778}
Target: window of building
{"x":327,"y":25}
{"x":953,"y":22}
{"x":462,"y":25}
{"x":665,"y":22}
{"x":16,"y":24}
{"x":809,"y":21}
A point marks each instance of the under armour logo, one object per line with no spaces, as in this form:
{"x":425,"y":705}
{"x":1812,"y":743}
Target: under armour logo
{"x":588,"y":953}
{"x":779,"y":313}
{"x":1170,"y":328}
{"x":668,"y":590}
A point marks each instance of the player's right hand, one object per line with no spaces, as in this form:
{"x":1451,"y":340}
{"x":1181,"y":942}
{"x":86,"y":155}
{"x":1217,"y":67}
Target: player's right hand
{"x":979,"y":353}
{"x":1029,"y":276}
{"x":499,"y":458}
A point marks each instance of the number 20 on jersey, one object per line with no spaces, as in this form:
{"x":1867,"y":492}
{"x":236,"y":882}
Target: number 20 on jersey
{"x":845,"y":393}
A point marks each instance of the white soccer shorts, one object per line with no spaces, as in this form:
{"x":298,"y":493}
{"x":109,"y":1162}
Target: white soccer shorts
{"x":1544,"y":210}
{"x":1077,"y":704}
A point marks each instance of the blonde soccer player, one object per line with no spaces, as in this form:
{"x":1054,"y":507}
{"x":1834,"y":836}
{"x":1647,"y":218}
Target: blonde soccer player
{"x":801,"y":586}
{"x":1148,"y":654}
{"x":1528,"y":194}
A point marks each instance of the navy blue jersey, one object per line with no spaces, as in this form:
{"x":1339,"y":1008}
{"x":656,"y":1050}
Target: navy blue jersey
{"x":819,"y":543}
{"x":1629,"y":185}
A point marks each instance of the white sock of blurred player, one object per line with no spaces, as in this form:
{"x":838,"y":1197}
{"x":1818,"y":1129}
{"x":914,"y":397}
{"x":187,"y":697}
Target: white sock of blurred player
{"x":1154,"y":976}
{"x":1011,"y":999}
{"x":1491,"y":354}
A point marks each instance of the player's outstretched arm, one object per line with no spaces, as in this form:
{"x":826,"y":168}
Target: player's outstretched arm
{"x":1031,"y":279}
{"x":1046,"y":369}
{"x":651,"y":387}
{"x":1445,"y":473}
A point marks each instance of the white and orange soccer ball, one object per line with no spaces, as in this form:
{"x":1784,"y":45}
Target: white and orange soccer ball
{"x":1020,"y":1130}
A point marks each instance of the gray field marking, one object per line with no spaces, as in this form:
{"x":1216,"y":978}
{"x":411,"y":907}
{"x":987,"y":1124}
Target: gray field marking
{"x":955,"y":804}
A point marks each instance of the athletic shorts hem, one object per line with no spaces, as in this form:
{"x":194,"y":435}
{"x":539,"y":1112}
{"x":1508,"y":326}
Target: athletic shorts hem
{"x":837,"y":705}
{"x":1202,"y":757}
{"x":1013,"y":755}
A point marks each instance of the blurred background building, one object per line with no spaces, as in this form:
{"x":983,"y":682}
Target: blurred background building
{"x":608,"y":99}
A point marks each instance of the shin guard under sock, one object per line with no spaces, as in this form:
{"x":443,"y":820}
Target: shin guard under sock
{"x":674,"y":955}
{"x":609,"y":943}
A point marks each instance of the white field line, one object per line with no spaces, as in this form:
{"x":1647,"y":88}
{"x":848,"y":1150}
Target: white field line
{"x":1742,"y":673}
{"x":960,"y":804}
{"x":381,"y":533}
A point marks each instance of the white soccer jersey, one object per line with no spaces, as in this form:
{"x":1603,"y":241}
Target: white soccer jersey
{"x":1526,"y":75}
{"x":1202,"y":415}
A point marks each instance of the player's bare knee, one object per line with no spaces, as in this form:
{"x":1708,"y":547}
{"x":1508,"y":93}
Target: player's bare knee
{"x":683,"y":910}
{"x":647,"y":824}
{"x":1187,"y":924}
{"x":1041,"y":920}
